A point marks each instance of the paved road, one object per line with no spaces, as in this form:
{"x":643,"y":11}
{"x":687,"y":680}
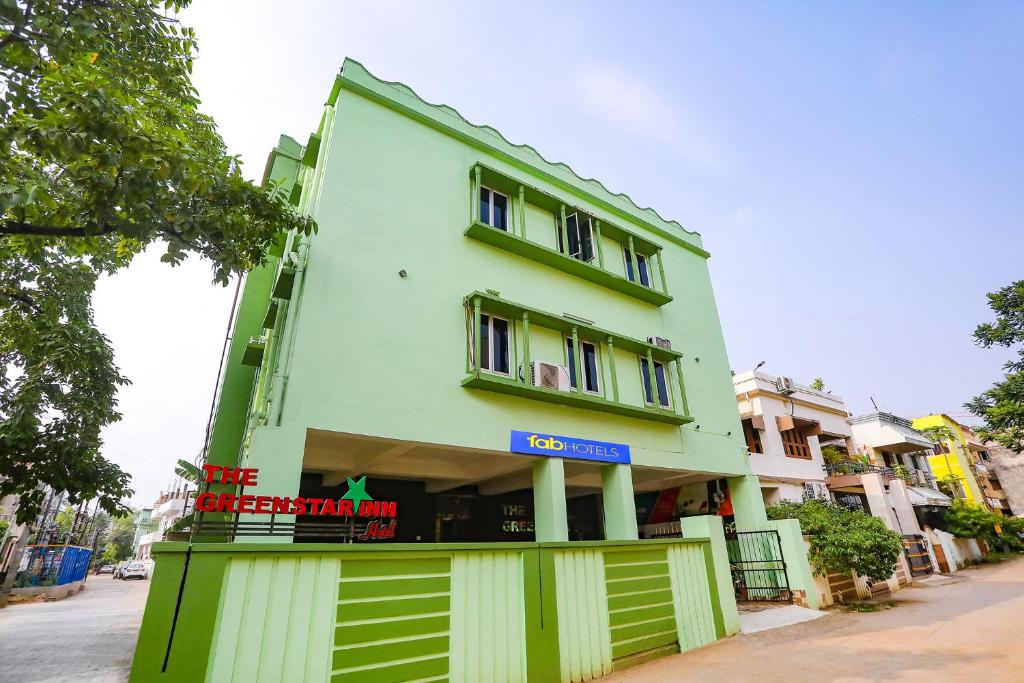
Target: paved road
{"x":86,"y":638}
{"x":969,"y":630}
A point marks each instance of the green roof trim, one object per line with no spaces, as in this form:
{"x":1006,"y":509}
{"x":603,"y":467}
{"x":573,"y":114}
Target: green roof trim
{"x":355,"y":77}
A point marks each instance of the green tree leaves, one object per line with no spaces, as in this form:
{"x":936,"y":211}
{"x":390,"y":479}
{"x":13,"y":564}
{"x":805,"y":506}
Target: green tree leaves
{"x":1002,"y":406}
{"x":844,"y":541}
{"x":103,"y":151}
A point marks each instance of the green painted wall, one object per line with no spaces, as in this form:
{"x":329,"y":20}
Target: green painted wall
{"x":367,"y":345}
{"x":509,"y":612}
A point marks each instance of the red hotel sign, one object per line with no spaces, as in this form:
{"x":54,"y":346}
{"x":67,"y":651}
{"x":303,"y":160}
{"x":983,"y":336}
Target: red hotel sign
{"x":355,"y":503}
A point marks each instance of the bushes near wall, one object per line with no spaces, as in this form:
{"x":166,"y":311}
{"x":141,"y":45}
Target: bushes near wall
{"x":968,"y":520}
{"x":844,"y":541}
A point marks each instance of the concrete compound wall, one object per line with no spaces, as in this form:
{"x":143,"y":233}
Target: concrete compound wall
{"x":51,"y":592}
{"x":959,"y":552}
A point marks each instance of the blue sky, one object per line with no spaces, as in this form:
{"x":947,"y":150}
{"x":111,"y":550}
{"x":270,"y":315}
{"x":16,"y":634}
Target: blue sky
{"x":856,"y":172}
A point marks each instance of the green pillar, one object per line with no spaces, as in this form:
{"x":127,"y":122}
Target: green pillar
{"x":611,"y":369}
{"x":716,"y":560}
{"x":632,"y":261}
{"x":661,"y":271}
{"x":550,"y":520}
{"x":684,"y":405}
{"x":474,"y":203}
{"x":476,"y":334}
{"x":564,"y":242}
{"x":526,"y":348}
{"x":799,"y":574}
{"x":597,"y":238}
{"x":619,"y":508}
{"x":277,"y":452}
{"x":653,"y":380}
{"x":747,"y":503}
{"x":522,"y":212}
{"x":576,"y":359}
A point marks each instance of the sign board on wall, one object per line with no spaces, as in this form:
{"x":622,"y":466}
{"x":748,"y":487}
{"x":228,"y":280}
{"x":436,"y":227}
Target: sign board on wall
{"x":534,"y":443}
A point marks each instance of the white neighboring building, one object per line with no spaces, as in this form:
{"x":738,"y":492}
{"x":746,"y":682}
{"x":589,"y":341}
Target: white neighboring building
{"x":785,"y":425}
{"x":898,"y":450}
{"x":168,"y":509}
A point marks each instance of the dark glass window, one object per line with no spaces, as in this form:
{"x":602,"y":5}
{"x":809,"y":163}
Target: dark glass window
{"x":588,"y":361}
{"x":485,"y":205}
{"x":570,"y":358}
{"x":485,"y":342}
{"x":589,"y":357}
{"x":500,"y":351}
{"x":493,"y":208}
{"x":659,"y":379}
{"x":494,"y":344}
{"x":641,"y":265}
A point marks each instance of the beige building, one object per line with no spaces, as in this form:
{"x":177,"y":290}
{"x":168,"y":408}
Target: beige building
{"x":785,"y":425}
{"x":1008,"y":466}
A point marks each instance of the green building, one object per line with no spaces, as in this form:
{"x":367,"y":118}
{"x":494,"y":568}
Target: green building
{"x":512,"y":374}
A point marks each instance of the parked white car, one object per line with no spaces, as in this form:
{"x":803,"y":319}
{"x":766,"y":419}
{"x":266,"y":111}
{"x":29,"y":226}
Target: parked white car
{"x":134,"y":570}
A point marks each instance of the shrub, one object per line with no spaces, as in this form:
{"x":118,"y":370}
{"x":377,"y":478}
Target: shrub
{"x":844,"y":541}
{"x":968,"y":520}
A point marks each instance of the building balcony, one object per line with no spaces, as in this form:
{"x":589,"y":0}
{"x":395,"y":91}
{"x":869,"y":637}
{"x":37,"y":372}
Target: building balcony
{"x":555,"y":259}
{"x":511,"y":387}
{"x":849,"y":471}
{"x":170,"y":508}
{"x":666,"y":395}
{"x":513,"y":235}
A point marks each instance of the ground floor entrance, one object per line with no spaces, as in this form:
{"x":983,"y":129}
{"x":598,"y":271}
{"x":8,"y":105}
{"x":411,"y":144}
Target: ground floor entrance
{"x":758,"y":567}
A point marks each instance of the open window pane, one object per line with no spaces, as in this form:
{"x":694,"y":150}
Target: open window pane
{"x":629,"y":264}
{"x":572,"y":230}
{"x":579,"y":242}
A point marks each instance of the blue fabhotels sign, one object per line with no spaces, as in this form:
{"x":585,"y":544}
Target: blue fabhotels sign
{"x":568,"y":447}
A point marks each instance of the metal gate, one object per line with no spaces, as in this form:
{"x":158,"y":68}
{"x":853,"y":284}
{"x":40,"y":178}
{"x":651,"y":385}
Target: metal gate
{"x":916,"y":550}
{"x":758,"y":568}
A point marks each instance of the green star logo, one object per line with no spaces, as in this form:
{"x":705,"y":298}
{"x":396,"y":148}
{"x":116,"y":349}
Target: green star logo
{"x":357,"y":492}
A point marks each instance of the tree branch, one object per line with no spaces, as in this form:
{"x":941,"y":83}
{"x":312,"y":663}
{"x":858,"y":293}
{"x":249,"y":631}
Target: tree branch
{"x":23,"y":298}
{"x":21,"y":228}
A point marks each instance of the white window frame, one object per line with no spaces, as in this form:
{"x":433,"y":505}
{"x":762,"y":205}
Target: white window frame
{"x":490,"y":344}
{"x":490,"y":204}
{"x":644,"y":378}
{"x":590,"y":230}
{"x":578,"y":350}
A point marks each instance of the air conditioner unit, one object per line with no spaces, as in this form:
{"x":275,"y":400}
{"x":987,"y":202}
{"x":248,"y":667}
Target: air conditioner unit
{"x":785,"y":386}
{"x":659,"y":342}
{"x":549,"y":376}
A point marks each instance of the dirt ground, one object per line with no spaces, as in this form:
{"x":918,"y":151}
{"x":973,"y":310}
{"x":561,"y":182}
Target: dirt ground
{"x":970,"y":630}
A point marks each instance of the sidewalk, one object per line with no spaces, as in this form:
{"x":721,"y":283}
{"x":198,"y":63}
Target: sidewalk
{"x":963,"y":630}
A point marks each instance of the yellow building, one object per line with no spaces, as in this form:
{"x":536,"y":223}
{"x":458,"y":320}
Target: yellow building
{"x":952,"y":456}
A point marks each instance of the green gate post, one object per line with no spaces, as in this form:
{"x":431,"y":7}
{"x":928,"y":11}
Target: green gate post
{"x":723,"y":599}
{"x":799,"y":573}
